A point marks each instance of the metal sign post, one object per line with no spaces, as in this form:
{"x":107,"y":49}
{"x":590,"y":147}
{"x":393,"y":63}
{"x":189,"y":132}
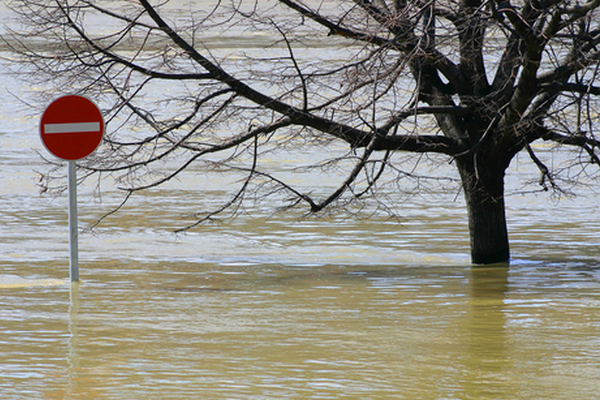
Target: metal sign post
{"x":73,"y":243}
{"x":71,"y":128}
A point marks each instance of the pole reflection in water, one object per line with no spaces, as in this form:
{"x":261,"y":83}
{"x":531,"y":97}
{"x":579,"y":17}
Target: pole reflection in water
{"x":73,"y":355}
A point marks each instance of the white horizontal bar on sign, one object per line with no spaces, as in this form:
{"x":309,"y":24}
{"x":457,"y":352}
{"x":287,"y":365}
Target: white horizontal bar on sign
{"x":75,"y":127}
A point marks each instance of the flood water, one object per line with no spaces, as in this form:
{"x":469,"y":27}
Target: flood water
{"x":278,"y":305}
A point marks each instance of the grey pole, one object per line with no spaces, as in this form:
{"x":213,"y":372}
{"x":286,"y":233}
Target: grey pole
{"x":73,"y":245}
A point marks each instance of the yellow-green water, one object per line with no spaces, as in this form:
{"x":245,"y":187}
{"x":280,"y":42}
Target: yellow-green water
{"x":179,"y":330}
{"x":274,"y":305}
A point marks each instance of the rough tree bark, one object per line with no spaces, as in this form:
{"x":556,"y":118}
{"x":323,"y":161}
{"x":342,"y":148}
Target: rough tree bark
{"x":484,"y":194}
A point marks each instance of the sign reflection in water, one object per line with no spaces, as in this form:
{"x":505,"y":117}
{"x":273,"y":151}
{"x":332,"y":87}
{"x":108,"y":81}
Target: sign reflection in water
{"x":274,"y":306}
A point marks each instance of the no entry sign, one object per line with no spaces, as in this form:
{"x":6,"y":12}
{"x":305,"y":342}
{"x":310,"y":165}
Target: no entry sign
{"x":71,"y":127}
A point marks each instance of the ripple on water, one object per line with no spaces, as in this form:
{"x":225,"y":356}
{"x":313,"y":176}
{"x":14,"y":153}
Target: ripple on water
{"x":14,"y":281}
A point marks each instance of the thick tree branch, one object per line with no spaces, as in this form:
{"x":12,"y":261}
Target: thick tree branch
{"x":404,"y":41}
{"x":351,"y":135}
{"x":420,"y":144}
{"x":471,"y":30}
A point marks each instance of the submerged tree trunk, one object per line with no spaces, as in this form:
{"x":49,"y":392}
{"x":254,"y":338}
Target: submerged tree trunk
{"x":484,"y":194}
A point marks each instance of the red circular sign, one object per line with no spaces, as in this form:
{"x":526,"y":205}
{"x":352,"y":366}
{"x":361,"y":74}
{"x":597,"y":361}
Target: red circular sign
{"x":72,"y":127}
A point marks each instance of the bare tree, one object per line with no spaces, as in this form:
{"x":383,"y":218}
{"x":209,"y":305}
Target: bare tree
{"x":471,"y":81}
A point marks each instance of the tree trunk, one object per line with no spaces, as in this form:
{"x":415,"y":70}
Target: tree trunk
{"x":484,"y":194}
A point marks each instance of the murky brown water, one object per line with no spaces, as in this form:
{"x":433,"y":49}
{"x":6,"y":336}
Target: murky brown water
{"x":242,"y":330}
{"x":274,"y":305}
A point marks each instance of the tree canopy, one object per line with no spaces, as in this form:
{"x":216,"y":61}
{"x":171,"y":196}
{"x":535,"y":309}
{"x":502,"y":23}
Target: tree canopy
{"x":474,"y":82}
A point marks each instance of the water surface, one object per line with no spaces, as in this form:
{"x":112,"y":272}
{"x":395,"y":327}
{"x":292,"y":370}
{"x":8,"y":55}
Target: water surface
{"x":276,"y":305}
